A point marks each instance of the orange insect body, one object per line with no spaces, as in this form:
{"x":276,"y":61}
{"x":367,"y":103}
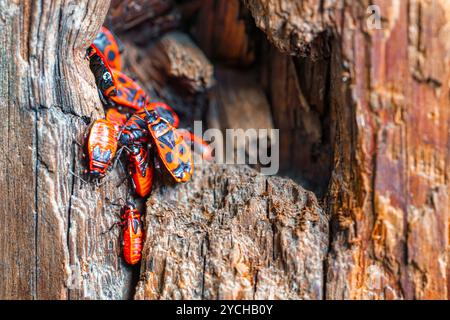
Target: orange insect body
{"x":129,"y":93}
{"x":109,"y":47}
{"x":164,"y":111}
{"x":132,"y":234}
{"x":172,"y":149}
{"x":101,"y":147}
{"x":134,"y":132}
{"x":141,"y":171}
{"x":117,"y":118}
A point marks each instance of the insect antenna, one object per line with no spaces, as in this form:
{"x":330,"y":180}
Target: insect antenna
{"x":146,"y":111}
{"x":115,"y":224}
{"x":118,"y":202}
{"x":117,"y":157}
{"x":126,"y":174}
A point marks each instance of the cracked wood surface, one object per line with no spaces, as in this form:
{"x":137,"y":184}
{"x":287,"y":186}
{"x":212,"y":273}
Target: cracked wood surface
{"x":387,"y":95}
{"x":389,"y":189}
{"x":232,"y":233}
{"x":229,"y":37}
{"x":51,"y":245}
{"x":391,"y":110}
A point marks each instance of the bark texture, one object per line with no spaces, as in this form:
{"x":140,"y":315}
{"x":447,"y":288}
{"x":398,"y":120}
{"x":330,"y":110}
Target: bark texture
{"x":51,"y":245}
{"x":364,"y":122}
{"x":294,"y":26}
{"x":125,"y":15}
{"x":178,"y":60}
{"x":389,"y":107}
{"x":232,"y":233}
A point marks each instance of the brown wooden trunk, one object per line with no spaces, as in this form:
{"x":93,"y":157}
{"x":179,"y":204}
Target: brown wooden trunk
{"x":389,"y":191}
{"x":364,"y":122}
{"x":233,"y":234}
{"x":51,"y":244}
{"x":388,"y":195}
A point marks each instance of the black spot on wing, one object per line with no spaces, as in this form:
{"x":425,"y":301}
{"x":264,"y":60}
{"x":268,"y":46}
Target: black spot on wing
{"x":168,"y":139}
{"x":97,"y":153}
{"x":102,"y":42}
{"x":120,"y":78}
{"x":106,"y":156}
{"x":135,"y":225}
{"x":132,"y":92}
{"x":169,"y":157}
{"x":111,"y":56}
{"x":182,"y":169}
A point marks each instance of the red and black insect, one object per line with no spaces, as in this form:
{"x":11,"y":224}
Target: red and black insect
{"x":149,"y":134}
{"x":170,"y":146}
{"x":141,"y":170}
{"x":134,"y":132}
{"x":132,"y":233}
{"x":110,"y":47}
{"x":102,"y":146}
{"x":134,"y":138}
{"x":166,"y":112}
{"x":129,"y":93}
{"x":102,"y":72}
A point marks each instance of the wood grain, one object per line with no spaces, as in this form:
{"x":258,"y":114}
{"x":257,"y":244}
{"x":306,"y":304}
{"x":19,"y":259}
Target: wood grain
{"x":365,"y":114}
{"x":388,"y":193}
{"x":232,"y":233}
{"x":51,"y":245}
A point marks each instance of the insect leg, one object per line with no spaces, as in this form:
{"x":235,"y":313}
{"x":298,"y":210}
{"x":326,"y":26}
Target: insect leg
{"x":76,"y":175}
{"x":115,"y":224}
{"x":126,"y":174}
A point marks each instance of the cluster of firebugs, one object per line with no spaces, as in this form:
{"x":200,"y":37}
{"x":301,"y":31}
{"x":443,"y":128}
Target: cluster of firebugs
{"x":146,"y":131}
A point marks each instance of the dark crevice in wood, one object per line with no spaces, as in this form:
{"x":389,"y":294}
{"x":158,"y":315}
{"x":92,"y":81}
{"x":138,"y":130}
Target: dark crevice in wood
{"x":69,"y":211}
{"x":205,"y":260}
{"x":36,"y":205}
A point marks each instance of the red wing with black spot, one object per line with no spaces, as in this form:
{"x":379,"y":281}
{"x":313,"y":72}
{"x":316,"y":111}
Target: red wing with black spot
{"x":129,"y":93}
{"x":101,"y":147}
{"x":172,"y":149}
{"x":110,"y":47}
{"x":133,"y":235}
{"x":166,"y":112}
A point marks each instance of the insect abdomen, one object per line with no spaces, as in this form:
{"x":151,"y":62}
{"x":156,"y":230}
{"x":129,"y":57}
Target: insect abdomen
{"x":101,"y":146}
{"x":141,"y":172}
{"x":132,"y":236}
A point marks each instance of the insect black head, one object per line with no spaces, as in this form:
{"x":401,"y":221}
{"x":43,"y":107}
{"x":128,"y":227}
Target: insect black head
{"x":151,"y":116}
